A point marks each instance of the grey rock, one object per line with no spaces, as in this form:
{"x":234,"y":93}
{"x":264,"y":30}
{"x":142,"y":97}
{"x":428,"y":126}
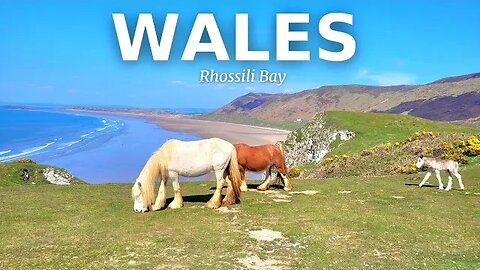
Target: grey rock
{"x":57,"y":177}
{"x":311,"y":143}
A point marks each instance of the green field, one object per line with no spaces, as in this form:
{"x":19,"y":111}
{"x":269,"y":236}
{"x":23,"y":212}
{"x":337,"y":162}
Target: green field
{"x":255,"y":121}
{"x":383,"y":223}
{"x":377,"y":128}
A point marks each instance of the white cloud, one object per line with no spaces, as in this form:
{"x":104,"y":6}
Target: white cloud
{"x":250,"y":88}
{"x":180,"y":83}
{"x":385,"y":78}
{"x":46,"y":87}
{"x":219,"y":86}
{"x":361,"y":73}
{"x":41,"y":87}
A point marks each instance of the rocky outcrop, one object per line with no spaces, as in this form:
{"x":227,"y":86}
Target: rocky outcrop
{"x":312,"y":142}
{"x":57,"y":177}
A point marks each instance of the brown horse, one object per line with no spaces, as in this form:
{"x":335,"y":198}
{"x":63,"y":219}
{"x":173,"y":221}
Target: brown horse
{"x":261,"y":158}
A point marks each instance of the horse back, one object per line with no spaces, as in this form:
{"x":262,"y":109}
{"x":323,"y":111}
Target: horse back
{"x":258,"y":158}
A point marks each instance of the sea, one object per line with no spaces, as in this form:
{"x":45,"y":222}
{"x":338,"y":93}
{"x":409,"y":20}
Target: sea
{"x":94,"y":147}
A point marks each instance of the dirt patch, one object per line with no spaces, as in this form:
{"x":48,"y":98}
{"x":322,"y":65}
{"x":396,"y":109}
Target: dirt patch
{"x":306,"y":192}
{"x":279,"y":196}
{"x":226,"y":210}
{"x":268,"y":191}
{"x":282,"y":200}
{"x":266,"y":235}
{"x":254,"y":262}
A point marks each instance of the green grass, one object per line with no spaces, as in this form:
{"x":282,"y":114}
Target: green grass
{"x":94,"y":227}
{"x":377,"y":128}
{"x":11,"y":174}
{"x":251,"y":120}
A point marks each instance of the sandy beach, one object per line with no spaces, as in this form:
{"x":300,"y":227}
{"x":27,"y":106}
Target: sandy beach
{"x":232,"y":132}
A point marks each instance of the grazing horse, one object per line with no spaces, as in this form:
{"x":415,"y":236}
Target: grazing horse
{"x":193,"y":158}
{"x":436,"y":165}
{"x":261,"y":158}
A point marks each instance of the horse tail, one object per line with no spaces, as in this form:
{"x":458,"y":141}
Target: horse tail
{"x":234,"y":173}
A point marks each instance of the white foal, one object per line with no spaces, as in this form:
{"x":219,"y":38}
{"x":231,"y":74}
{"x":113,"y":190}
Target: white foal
{"x":437,"y":165}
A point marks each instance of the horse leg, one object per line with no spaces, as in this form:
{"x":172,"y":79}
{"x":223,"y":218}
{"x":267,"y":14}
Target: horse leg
{"x":449,"y":184}
{"x":216,"y":200}
{"x":243,"y":186}
{"x":230,"y":195}
{"x":283,"y":173}
{"x":288,"y":185}
{"x":425,"y":179}
{"x":440,"y":184}
{"x":268,"y":180}
{"x":177,"y":200}
{"x":161,"y":200}
{"x":459,"y":177}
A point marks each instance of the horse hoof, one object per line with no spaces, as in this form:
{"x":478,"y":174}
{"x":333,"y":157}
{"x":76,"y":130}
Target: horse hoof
{"x":228,"y":202}
{"x":212,"y":205}
{"x":157,"y":208}
{"x":173,"y":205}
{"x":262,"y":187}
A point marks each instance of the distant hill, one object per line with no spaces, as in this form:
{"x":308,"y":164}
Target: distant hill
{"x":452,"y":98}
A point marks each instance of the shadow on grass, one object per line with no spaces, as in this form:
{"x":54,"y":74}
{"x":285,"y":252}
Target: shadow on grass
{"x":274,"y":186}
{"x":254,"y":186}
{"x":203,"y":198}
{"x":426,"y":185}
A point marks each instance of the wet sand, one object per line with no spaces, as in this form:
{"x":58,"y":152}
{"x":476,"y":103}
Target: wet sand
{"x":234,"y":133}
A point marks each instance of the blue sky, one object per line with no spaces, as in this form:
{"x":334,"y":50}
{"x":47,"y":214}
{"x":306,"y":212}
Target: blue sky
{"x":66,"y":52}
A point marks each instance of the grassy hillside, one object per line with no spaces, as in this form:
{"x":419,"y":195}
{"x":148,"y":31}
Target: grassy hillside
{"x":351,"y":223}
{"x":255,"y":121}
{"x":10,"y":174}
{"x":377,"y":128}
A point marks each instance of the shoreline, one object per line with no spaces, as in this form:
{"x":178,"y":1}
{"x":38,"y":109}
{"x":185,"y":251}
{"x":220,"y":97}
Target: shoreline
{"x":232,"y":132}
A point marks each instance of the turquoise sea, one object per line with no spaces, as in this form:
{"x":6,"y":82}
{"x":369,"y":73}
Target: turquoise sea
{"x":96,"y":148}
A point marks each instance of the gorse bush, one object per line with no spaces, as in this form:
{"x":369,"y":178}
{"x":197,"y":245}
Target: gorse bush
{"x":294,"y":172}
{"x":25,"y":160}
{"x":472,"y":146}
{"x":399,"y":157}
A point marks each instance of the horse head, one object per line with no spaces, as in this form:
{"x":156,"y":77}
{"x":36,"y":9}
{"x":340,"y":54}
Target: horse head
{"x":420,"y":161}
{"x":139,"y":205}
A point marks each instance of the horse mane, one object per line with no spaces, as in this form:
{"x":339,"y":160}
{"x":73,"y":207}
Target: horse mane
{"x":157,"y":165}
{"x":279,"y":144}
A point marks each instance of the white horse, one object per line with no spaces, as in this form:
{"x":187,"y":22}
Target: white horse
{"x":436,"y":165}
{"x":193,"y":158}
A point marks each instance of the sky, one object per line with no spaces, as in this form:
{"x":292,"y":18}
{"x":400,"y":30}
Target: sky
{"x":66,"y":52}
